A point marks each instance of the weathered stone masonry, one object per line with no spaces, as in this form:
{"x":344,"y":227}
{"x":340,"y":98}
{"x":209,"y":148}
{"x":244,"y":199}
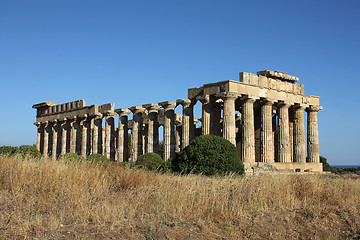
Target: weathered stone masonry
{"x":262,"y":115}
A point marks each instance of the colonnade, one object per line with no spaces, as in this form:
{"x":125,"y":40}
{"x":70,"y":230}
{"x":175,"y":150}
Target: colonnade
{"x":282,"y":129}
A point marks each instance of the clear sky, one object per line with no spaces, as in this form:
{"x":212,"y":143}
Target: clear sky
{"x":136,"y":52}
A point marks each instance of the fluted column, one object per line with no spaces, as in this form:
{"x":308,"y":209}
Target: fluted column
{"x":82,"y":125}
{"x":46,"y":139}
{"x":229,"y":124}
{"x":136,"y":133}
{"x":248,"y":130}
{"x":72,"y":135}
{"x":97,"y":137}
{"x":38,"y":135}
{"x":215,"y":116}
{"x":89,"y":127}
{"x":267,"y":138}
{"x":152,"y":136}
{"x":313,"y":134}
{"x":206,"y":114}
{"x":109,"y":135}
{"x":54,"y":139}
{"x":299,"y":134}
{"x":169,"y":129}
{"x":63,"y":137}
{"x":178,"y":132}
{"x":284,"y":150}
{"x":186,"y":119}
{"x":122,"y":139}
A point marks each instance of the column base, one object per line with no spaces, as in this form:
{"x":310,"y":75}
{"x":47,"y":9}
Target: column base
{"x":262,"y":167}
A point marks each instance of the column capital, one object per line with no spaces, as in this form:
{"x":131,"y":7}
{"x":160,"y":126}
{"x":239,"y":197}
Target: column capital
{"x":204,"y":99}
{"x":109,"y":114}
{"x":122,"y":111}
{"x":137,"y":109}
{"x":267,"y":101}
{"x":298,"y":106}
{"x":178,"y":119}
{"x":37,"y":124}
{"x":151,"y":107}
{"x":248,"y":98}
{"x":168,"y":105}
{"x":313,"y":108}
{"x":282,"y":104}
{"x":184,"y":102}
{"x":228,"y":95}
{"x":97,"y":116}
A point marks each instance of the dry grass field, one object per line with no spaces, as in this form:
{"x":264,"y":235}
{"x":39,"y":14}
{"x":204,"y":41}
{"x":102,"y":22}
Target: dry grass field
{"x":52,"y":200}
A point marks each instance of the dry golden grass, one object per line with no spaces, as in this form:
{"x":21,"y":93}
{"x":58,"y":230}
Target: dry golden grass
{"x":52,"y":200}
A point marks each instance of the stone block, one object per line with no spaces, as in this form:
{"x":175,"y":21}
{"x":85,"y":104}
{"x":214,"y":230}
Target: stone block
{"x":263,"y":82}
{"x":278,"y":75}
{"x":249,"y":78}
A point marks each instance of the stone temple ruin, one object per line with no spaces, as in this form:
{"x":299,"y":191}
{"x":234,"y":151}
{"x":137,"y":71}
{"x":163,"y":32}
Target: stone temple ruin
{"x":262,"y":115}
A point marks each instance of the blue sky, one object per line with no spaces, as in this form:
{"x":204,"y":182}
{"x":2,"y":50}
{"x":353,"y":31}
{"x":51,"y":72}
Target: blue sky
{"x":136,"y":52}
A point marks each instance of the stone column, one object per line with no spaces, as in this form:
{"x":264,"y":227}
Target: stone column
{"x":187,"y":117}
{"x":206,"y":114}
{"x":313,"y":134}
{"x":169,"y":129}
{"x":82,"y":125}
{"x":248,"y":130}
{"x":46,"y":139}
{"x":284,"y":150}
{"x":63,"y":137}
{"x":38,"y":135}
{"x":54,"y":139}
{"x":109,"y":135}
{"x":136,"y":134}
{"x":122,"y":139}
{"x":299,"y":134}
{"x":72,"y":135}
{"x":229,"y":124}
{"x":89,"y":128}
{"x":215,"y":126}
{"x":97,"y":137}
{"x":152,"y":136}
{"x":267,"y":153}
{"x":178,"y":132}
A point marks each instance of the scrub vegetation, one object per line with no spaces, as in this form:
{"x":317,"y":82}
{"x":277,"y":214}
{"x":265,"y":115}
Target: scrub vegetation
{"x":45,"y":199}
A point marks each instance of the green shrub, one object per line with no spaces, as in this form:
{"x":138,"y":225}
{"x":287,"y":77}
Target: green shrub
{"x":209,"y":155}
{"x":326,"y":165}
{"x":97,"y":158}
{"x":71,"y":157}
{"x":149,"y":161}
{"x":30,"y":151}
{"x":8,"y":150}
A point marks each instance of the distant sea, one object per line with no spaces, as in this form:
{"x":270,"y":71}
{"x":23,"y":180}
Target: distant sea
{"x":345,"y":166}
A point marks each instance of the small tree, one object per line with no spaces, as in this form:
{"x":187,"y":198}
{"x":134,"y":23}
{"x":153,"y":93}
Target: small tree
{"x":326,"y":165}
{"x":31,"y":151}
{"x":8,"y":150}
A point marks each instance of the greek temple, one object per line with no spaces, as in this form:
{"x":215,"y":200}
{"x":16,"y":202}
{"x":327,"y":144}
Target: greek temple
{"x":262,"y":114}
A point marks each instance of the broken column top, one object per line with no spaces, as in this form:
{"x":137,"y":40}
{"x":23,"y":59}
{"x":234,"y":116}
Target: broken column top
{"x":278,"y":75}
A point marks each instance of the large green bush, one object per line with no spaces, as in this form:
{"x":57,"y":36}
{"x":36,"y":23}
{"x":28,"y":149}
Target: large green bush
{"x":149,"y":161}
{"x":209,"y":155}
